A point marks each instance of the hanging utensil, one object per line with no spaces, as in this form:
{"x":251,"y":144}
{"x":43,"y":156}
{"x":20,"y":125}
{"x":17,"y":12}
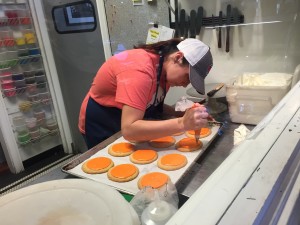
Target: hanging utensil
{"x":182,"y":23}
{"x":176,"y":19}
{"x":228,"y":16}
{"x":220,"y":28}
{"x":193,"y":16}
{"x":199,"y":20}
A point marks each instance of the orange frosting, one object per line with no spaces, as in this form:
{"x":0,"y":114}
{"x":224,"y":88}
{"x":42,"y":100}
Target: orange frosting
{"x":144,"y":155}
{"x":163,"y":139}
{"x":188,"y":143}
{"x":155,"y":180}
{"x":122,"y":147}
{"x":98,"y":163}
{"x":123,"y":170}
{"x":172,"y":159}
{"x":204,"y":131}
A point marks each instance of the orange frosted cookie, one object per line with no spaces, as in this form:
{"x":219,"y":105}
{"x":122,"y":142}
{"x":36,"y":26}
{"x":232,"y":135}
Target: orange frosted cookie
{"x":188,"y":145}
{"x":172,"y":161}
{"x":204,"y":132}
{"x":97,"y":165}
{"x":154,"y":180}
{"x":121,"y":149}
{"x":143,"y":156}
{"x":163,"y":142}
{"x":123,"y":173}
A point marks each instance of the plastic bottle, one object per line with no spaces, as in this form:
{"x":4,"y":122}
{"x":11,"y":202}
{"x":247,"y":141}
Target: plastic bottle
{"x":157,"y":213}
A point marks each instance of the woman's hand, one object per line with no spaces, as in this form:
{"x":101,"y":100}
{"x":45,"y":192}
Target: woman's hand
{"x":195,"y":118}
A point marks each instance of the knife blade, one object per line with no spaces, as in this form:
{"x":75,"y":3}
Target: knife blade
{"x":199,"y":20}
{"x":193,"y":16}
{"x":220,"y":34}
{"x":228,"y":15}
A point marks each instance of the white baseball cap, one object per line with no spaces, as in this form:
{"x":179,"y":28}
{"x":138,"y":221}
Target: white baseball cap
{"x":200,"y":59}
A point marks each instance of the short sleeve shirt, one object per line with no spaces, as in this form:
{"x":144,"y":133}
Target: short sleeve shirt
{"x":128,"y":78}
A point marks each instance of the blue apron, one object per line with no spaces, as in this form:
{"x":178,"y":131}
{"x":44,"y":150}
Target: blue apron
{"x":102,"y":122}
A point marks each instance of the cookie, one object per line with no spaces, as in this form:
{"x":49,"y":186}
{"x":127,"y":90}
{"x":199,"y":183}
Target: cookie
{"x":143,"y":156}
{"x":97,"y":165}
{"x":123,"y":173}
{"x":121,"y":149}
{"x":188,"y":144}
{"x":163,"y":142}
{"x":204,"y":132}
{"x":172,"y":161}
{"x":153,"y":179}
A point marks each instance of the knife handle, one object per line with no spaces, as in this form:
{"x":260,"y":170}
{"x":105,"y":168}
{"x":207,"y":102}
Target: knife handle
{"x":220,"y":34}
{"x":227,"y":39}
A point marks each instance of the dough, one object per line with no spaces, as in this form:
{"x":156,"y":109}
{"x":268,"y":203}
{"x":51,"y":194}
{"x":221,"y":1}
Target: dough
{"x":121,"y":149}
{"x":153,"y":179}
{"x":163,"y":142}
{"x":205,"y":131}
{"x":97,"y":165}
{"x":188,"y":144}
{"x":172,"y":161}
{"x":123,"y":173}
{"x":143,"y":156}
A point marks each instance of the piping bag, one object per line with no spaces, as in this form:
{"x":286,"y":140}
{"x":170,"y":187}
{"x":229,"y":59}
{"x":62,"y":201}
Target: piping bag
{"x":184,"y":104}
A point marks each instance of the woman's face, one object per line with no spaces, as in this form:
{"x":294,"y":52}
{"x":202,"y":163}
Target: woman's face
{"x":177,"y":73}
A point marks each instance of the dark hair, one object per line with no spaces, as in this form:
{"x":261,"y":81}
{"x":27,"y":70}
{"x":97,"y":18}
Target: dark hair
{"x":163,"y":47}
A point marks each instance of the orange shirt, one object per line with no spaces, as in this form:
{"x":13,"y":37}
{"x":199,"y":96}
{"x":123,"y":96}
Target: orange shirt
{"x":128,"y":78}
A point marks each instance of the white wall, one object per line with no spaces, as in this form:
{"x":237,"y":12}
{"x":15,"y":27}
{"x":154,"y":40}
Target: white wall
{"x":268,"y":47}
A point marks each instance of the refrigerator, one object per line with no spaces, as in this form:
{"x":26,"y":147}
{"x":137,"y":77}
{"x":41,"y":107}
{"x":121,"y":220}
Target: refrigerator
{"x":41,"y":94}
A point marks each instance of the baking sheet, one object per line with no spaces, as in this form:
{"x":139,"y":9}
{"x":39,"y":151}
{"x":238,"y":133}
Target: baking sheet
{"x":131,"y":187}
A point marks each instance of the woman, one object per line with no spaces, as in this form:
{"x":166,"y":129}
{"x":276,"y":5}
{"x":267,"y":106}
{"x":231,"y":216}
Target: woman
{"x":130,"y":87}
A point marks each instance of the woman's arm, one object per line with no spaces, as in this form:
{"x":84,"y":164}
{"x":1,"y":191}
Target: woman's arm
{"x":134,"y":128}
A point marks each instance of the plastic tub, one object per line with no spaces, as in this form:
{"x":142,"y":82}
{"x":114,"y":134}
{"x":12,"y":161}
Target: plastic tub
{"x":22,"y":129}
{"x":250,"y":104}
{"x":31,"y":88}
{"x":35,"y":134}
{"x":18,"y":76}
{"x":18,"y":121}
{"x":24,"y":138}
{"x":10,"y":92}
{"x":31,"y":123}
{"x":40,"y":115}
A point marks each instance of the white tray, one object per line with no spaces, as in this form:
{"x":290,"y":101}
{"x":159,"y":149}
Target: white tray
{"x":131,"y":186}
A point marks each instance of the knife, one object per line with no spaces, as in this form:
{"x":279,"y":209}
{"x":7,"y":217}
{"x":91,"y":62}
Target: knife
{"x":176,"y":18}
{"x":182,"y":22}
{"x":228,"y":27}
{"x":193,"y":16}
{"x":199,"y":20}
{"x":220,"y":34}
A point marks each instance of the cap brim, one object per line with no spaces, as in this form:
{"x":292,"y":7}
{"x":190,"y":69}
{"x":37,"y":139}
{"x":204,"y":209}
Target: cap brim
{"x":197,"y":81}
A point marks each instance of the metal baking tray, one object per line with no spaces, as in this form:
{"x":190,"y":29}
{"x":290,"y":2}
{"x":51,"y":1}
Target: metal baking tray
{"x":131,"y":187}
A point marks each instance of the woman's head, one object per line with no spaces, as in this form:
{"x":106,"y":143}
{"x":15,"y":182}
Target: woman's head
{"x":186,"y":60}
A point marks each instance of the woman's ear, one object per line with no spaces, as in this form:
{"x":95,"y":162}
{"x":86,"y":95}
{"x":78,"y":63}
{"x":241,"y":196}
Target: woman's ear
{"x":178,"y":57}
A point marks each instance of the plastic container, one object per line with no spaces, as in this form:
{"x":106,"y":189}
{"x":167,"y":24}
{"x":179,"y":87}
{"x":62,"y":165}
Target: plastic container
{"x":31,"y":88}
{"x":10,"y":92}
{"x":250,"y":104}
{"x":18,"y":121}
{"x":157,"y":213}
{"x":21,"y":129}
{"x":35,"y":134}
{"x":31,"y":123}
{"x":51,"y":123}
{"x":24,"y":138}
